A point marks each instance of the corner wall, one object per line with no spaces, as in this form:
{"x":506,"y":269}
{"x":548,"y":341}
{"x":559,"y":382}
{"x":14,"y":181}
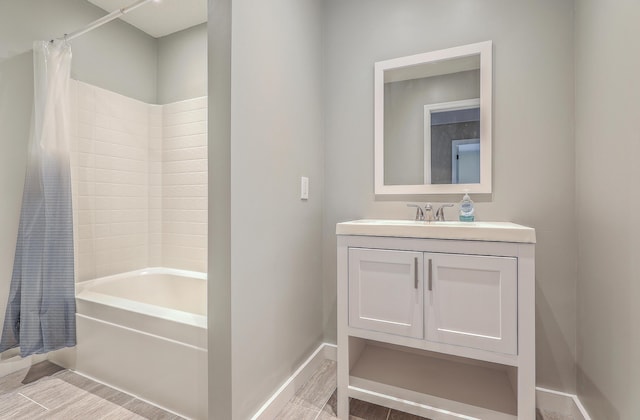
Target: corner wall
{"x":182,"y":65}
{"x":117,"y":56}
{"x":533,"y":160}
{"x":607,"y":64}
{"x":276,"y":241}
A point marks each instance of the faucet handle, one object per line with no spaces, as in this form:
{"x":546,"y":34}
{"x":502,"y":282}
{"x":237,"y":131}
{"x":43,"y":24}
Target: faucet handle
{"x":419,"y":212}
{"x":440,"y":212}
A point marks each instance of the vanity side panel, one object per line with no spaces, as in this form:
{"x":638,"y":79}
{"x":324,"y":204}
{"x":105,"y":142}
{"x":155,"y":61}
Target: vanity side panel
{"x":526,"y":332}
{"x":343,"y":337}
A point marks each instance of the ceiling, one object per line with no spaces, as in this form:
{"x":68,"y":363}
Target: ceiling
{"x":160,"y":18}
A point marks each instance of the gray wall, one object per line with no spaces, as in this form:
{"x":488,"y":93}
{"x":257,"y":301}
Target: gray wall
{"x":607,"y":65}
{"x":404,"y":120}
{"x":276,"y":242}
{"x":533,"y":136}
{"x":116,"y":56}
{"x":220,"y":350}
{"x":182,"y":65}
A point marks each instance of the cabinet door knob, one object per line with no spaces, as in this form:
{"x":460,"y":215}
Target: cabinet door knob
{"x":415,"y":272}
{"x":430,"y":275}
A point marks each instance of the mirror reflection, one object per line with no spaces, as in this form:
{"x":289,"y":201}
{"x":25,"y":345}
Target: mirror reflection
{"x":432,"y":136}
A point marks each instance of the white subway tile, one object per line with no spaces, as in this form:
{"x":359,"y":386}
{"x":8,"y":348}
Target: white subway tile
{"x":185,"y":178}
{"x":195,"y":140}
{"x":198,"y":216}
{"x":184,"y":203}
{"x":86,"y":97}
{"x":139,"y":182}
{"x":185,"y":117}
{"x":185,"y":129}
{"x":185,"y":191}
{"x":186,"y":105}
{"x":187,"y":153}
{"x":86,"y":131}
{"x":196,"y":165}
{"x":188,"y":228}
{"x":85,"y":117}
{"x":188,"y":241}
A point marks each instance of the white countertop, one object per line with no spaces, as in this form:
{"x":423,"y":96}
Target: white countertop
{"x":469,"y":231}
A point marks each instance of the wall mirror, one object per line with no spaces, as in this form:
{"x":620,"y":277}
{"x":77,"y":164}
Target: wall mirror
{"x":433,"y":122}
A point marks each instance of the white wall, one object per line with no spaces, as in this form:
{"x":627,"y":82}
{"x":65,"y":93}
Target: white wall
{"x":607,"y":65}
{"x":276,"y":242}
{"x":533,"y":156}
{"x":182,"y":65}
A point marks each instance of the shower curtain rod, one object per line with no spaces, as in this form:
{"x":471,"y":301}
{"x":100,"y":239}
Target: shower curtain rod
{"x":105,"y":19}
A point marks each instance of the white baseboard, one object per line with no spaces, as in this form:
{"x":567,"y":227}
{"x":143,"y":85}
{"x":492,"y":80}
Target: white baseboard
{"x":282,"y":396}
{"x":561,"y":403}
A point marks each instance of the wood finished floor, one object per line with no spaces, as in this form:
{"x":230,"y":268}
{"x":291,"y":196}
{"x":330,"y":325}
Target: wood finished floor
{"x":47,"y":391}
{"x":317,"y":400}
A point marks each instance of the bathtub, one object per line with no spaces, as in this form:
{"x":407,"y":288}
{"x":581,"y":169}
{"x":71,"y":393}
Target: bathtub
{"x":145,"y":332}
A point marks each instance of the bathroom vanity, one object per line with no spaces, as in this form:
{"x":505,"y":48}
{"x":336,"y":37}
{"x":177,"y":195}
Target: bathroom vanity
{"x":437,"y":319}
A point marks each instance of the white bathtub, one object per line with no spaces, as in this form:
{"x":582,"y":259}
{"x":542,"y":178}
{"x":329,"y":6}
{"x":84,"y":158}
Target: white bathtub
{"x":145,"y":332}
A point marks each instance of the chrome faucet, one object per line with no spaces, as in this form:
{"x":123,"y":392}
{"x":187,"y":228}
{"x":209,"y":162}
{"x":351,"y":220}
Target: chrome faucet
{"x":440,"y":212}
{"x":419,"y":212}
{"x":428,"y":212}
{"x":423,"y":215}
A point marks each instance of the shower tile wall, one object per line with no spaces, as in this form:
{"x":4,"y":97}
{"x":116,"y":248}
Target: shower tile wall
{"x":111,"y":186}
{"x":155,"y":186}
{"x":184,"y":185}
{"x":139,"y":183}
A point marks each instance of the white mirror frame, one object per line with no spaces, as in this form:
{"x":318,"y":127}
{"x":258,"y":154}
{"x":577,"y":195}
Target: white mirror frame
{"x":486,"y":92}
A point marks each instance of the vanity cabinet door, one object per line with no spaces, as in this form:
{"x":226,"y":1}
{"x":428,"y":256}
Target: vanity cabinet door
{"x":386,"y":291}
{"x":471,"y":301}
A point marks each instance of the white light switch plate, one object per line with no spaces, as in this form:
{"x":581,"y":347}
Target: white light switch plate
{"x":304,"y":188}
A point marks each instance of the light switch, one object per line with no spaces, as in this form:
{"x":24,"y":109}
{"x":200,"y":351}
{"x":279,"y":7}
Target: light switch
{"x":304,"y":188}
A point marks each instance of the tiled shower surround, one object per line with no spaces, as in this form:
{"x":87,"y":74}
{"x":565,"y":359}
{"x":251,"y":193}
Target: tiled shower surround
{"x":139,"y":176}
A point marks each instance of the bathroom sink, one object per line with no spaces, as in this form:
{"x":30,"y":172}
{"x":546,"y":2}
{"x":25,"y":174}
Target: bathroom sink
{"x":474,"y":231}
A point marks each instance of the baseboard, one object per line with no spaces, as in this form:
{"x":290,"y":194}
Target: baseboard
{"x":282,"y":396}
{"x":561,"y":403}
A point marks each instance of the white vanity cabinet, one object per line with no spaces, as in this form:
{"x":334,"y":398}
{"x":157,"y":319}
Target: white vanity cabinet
{"x":437,"y":320}
{"x":385,"y":291}
{"x":472,"y":301}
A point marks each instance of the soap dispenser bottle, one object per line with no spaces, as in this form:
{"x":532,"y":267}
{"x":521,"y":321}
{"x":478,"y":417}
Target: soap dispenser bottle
{"x":466,"y":209}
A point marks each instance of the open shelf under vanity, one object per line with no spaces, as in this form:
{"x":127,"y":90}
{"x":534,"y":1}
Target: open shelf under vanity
{"x":422,"y":382}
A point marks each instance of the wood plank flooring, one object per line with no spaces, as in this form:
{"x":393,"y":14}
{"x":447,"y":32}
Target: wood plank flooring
{"x":47,"y":391}
{"x":317,"y":400}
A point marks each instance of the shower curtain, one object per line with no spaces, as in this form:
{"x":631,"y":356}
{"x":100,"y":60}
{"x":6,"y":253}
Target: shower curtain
{"x":40,"y":314}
